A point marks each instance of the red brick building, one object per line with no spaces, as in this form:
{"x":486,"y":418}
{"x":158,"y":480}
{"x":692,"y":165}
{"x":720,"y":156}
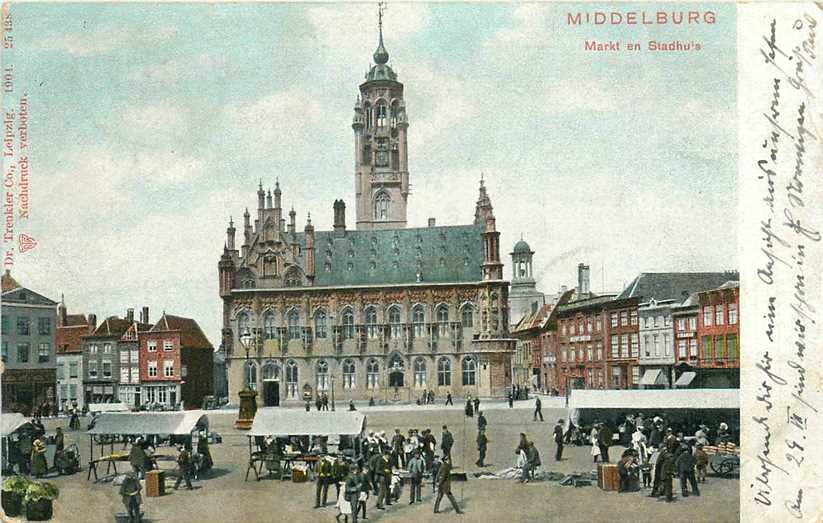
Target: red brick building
{"x":622,"y":340}
{"x":528,"y":360}
{"x":684,"y":321}
{"x":176,"y":363}
{"x":718,"y":333}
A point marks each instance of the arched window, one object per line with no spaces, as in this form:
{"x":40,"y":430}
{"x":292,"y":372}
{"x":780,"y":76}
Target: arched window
{"x":468,"y":315}
{"x":348,"y":324}
{"x":396,"y":328}
{"x":322,"y":371}
{"x":394,"y":112}
{"x":382,"y":202}
{"x":348,"y":374}
{"x":469,"y":367}
{"x":294,"y":324}
{"x":381,"y":114}
{"x":444,"y":372}
{"x":320,"y":323}
{"x":443,"y":319}
{"x":371,"y":322}
{"x":292,"y":278}
{"x":269,"y":329}
{"x":291,"y":379}
{"x":420,"y":373}
{"x":372,"y":374}
{"x":369,"y":115}
{"x":271,"y":371}
{"x":243,"y":323}
{"x":251,"y":375}
{"x":418,"y":319}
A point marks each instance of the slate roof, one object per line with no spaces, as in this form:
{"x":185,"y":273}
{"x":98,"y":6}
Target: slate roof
{"x":674,"y":285}
{"x":447,"y":254}
{"x":190,"y":333}
{"x":533,"y":319}
{"x":73,"y":320}
{"x":111,"y":326}
{"x":594,"y":300}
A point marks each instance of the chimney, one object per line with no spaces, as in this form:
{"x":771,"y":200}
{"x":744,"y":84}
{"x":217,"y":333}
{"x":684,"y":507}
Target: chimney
{"x":92,"y":322}
{"x":130,"y":315}
{"x":432,"y":222}
{"x":144,"y":315}
{"x":583,"y":279}
{"x":339,"y":216}
{"x":62,"y":318}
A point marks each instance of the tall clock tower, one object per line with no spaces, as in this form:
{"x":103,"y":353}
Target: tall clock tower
{"x":381,"y":157}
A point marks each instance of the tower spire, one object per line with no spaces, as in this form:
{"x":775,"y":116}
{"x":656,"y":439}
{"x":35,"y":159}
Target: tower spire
{"x":381,"y":56}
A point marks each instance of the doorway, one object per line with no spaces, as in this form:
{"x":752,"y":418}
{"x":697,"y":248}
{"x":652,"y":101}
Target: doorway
{"x":271,"y":393}
{"x":396,"y":378}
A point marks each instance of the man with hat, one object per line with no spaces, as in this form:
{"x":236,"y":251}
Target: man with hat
{"x":324,"y":477}
{"x":558,"y":440}
{"x":184,"y":467}
{"x":415,"y":466}
{"x":446,"y":442}
{"x":444,"y":486}
{"x":482,"y":444}
{"x":383,"y":474}
{"x":130,"y":494}
{"x":138,"y":458}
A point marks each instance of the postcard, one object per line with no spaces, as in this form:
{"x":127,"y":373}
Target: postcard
{"x":411,"y":261}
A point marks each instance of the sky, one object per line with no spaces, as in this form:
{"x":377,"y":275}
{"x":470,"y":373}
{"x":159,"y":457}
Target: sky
{"x":151,"y":124}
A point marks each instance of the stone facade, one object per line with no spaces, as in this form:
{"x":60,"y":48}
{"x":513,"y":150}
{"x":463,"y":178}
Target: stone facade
{"x":383,"y":311}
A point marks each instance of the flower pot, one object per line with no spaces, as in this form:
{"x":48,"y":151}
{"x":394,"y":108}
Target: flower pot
{"x":12,"y":503}
{"x":39,"y":510}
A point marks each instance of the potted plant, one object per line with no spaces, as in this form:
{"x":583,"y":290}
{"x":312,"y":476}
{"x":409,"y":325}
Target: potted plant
{"x":14,"y":489}
{"x":39,"y":499}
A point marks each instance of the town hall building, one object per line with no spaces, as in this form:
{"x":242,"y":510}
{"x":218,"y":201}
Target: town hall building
{"x":381,"y":310}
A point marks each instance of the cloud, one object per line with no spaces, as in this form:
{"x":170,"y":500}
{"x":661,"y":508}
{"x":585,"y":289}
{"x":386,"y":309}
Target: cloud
{"x":104,"y":39}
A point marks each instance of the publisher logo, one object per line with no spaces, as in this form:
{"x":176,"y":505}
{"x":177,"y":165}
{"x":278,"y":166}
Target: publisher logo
{"x":26,"y":243}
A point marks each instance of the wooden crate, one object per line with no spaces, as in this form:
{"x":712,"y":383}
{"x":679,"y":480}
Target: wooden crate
{"x":155,"y":483}
{"x":607,"y":476}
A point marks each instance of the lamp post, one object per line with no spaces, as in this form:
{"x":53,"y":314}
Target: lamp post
{"x":248,"y":401}
{"x":332,"y":392}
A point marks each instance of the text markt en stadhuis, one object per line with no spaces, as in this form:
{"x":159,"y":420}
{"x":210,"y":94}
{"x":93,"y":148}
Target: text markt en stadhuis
{"x":640,"y":17}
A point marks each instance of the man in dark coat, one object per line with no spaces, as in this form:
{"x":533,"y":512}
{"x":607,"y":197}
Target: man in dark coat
{"x":325,"y":475}
{"x":183,"y":468}
{"x":24,"y":445}
{"x":511,"y":400}
{"x":477,"y":404}
{"x":398,"y":456}
{"x":444,"y":486}
{"x":604,"y":441}
{"x":684,"y":466}
{"x":667,"y":472}
{"x":138,"y":458}
{"x":481,"y":421}
{"x":340,"y":471}
{"x":482,"y":444}
{"x":352,"y":492}
{"x":416,"y":467}
{"x":374,"y":464}
{"x":538,"y":409}
{"x":446,"y":442}
{"x":558,"y":439}
{"x":59,"y":440}
{"x":469,"y":408}
{"x":383,"y":479}
{"x":130,"y":494}
{"x":449,"y":398}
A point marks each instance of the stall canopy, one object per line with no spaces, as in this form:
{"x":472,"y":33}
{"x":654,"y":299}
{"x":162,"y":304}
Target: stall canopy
{"x":10,"y":422}
{"x":177,"y":423}
{"x":274,"y":421}
{"x":685,"y":379}
{"x":108,"y":407}
{"x":653,"y":377}
{"x":601,"y":402}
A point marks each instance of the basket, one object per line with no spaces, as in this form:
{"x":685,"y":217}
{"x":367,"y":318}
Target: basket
{"x":12,"y":503}
{"x":39,"y":510}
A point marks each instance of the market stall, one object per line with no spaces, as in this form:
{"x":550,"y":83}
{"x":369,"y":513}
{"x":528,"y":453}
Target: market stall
{"x":160,"y":427}
{"x":300,"y":436}
{"x":11,"y":425}
{"x":98,"y":408}
{"x":685,"y":407}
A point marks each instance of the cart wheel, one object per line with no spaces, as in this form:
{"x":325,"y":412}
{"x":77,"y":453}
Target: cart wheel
{"x":726,"y":467}
{"x":714,"y":469}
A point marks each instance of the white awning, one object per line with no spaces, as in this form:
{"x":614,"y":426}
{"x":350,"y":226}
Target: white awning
{"x":651,"y":377}
{"x":276,"y":421}
{"x":178,"y":422}
{"x":685,"y":379}
{"x":108,"y":407}
{"x":10,"y":422}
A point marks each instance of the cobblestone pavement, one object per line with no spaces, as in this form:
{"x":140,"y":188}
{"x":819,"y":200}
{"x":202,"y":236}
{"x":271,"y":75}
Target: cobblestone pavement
{"x":224,"y":496}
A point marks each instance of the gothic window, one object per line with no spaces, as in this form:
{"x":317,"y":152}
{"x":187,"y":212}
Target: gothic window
{"x":444,"y":372}
{"x":371,"y":322}
{"x":381,"y":206}
{"x":348,"y":324}
{"x":394,"y":112}
{"x":271,"y":371}
{"x":291,"y":379}
{"x":251,"y":375}
{"x":294,"y":324}
{"x":320,"y":324}
{"x":349,"y":374}
{"x":468,"y":315}
{"x":269,"y":266}
{"x":443,"y":319}
{"x":243,"y":323}
{"x":269,"y":328}
{"x":469,"y":367}
{"x":381,"y":115}
{"x":368,"y":116}
{"x":420,"y":373}
{"x":394,"y":322}
{"x":372,"y":374}
{"x":418,"y":319}
{"x":293,"y":278}
{"x":322,"y":372}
